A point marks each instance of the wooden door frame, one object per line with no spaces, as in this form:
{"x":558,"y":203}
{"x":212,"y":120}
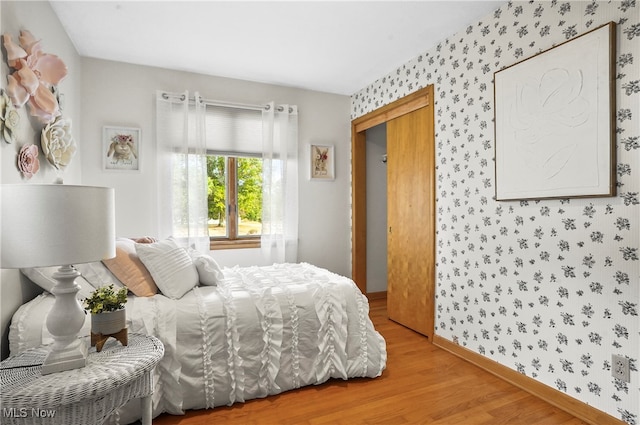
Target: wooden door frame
{"x":359,"y":126}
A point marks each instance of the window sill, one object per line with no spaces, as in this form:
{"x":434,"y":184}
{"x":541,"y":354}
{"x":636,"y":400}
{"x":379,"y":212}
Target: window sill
{"x":235,"y":244}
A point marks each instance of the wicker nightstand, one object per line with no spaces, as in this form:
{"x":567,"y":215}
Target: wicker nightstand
{"x":83,"y":396}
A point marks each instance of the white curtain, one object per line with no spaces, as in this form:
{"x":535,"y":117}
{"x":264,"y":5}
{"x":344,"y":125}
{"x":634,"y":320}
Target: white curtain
{"x":182,"y":169}
{"x":280,"y":183}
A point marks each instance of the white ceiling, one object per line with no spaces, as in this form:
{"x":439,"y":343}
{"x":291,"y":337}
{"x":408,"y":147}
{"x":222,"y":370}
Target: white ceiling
{"x":331,"y":46}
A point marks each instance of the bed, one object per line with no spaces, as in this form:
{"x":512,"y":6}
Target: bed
{"x":236,"y":334}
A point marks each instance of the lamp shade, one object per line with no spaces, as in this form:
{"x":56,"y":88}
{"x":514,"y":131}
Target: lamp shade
{"x":55,"y":224}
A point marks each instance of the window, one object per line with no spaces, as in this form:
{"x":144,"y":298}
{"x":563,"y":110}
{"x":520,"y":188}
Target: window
{"x":228,"y":174}
{"x":234,"y":176}
{"x":234,"y":200}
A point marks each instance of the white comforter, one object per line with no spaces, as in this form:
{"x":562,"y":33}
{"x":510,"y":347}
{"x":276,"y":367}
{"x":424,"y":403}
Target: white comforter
{"x":263,"y":330}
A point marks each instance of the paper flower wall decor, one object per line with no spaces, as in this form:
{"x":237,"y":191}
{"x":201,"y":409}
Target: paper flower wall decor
{"x":58,"y":145}
{"x":28,"y":162}
{"x":9,"y":118}
{"x":36,"y":73}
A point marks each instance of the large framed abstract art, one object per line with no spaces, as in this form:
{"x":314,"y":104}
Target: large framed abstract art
{"x":555,"y":121}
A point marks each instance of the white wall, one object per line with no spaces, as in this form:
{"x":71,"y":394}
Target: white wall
{"x":376,"y":139}
{"x":39,"y":19}
{"x":123,"y":94}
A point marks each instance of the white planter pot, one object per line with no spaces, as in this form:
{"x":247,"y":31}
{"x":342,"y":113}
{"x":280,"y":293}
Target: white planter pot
{"x":109,"y":323}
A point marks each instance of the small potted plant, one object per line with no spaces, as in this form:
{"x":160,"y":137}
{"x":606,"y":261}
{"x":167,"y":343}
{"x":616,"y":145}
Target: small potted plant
{"x":108,"y":315}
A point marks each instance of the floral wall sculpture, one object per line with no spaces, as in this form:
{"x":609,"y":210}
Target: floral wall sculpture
{"x":549,"y":288}
{"x":9,"y":118}
{"x":28,"y":162}
{"x":33,"y":81}
{"x":35,"y":73}
{"x":58,"y":145}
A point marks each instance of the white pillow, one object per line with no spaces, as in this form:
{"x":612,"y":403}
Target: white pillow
{"x":98,"y":275}
{"x":209,"y":271}
{"x":170,"y":266}
{"x":42,"y":276}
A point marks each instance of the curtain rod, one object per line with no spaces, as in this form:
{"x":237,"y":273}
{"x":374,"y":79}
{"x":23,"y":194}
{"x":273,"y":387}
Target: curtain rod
{"x":228,"y":104}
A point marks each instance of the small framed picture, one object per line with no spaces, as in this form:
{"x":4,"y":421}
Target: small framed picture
{"x":322,"y":162}
{"x":121,"y":148}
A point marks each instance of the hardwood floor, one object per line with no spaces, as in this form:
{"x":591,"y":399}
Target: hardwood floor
{"x":421,"y":385}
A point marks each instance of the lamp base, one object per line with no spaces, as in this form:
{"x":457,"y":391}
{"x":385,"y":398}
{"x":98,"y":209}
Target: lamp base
{"x":70,"y":357}
{"x":64,"y":322}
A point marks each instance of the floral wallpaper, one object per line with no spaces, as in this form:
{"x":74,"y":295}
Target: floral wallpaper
{"x":549,"y":288}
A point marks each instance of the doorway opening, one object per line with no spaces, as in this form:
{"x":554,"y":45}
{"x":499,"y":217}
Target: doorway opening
{"x":407,"y":106}
{"x":376,"y":211}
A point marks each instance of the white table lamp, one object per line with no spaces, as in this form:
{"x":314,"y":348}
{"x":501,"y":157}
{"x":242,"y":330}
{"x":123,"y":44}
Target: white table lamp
{"x":58,"y":225}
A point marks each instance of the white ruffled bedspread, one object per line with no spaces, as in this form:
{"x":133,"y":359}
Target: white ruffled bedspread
{"x":261,"y":331}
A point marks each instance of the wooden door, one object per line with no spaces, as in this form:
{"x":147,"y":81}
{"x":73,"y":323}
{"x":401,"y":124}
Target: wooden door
{"x":411,"y":220}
